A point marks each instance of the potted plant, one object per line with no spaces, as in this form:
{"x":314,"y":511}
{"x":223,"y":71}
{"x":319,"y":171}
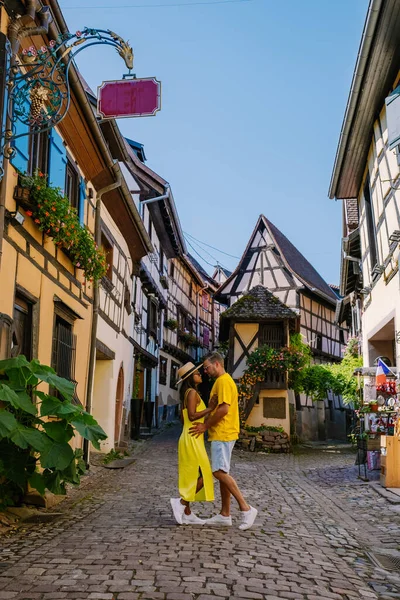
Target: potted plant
{"x":136,"y":402}
{"x":171,"y":324}
{"x":22,"y":192}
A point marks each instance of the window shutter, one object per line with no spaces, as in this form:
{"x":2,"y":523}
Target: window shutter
{"x":393,"y":117}
{"x":81,"y":203}
{"x":21,"y":159}
{"x":57,"y":160}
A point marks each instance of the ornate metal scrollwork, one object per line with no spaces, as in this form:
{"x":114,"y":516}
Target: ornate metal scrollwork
{"x":38,"y":82}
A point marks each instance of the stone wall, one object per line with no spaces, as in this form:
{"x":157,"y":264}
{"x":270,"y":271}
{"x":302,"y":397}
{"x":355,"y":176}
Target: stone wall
{"x":268,"y":441}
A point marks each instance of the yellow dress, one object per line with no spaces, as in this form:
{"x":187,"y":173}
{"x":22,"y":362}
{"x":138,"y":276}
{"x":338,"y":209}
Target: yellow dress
{"x":192,"y":458}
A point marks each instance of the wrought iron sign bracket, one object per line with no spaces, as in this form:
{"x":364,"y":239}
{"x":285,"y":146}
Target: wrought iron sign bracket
{"x":37,"y":83}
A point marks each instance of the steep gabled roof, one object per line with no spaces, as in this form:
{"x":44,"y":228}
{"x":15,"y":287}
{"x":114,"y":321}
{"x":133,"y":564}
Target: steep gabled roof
{"x":258,"y":304}
{"x":294,"y":261}
{"x":298,"y":264}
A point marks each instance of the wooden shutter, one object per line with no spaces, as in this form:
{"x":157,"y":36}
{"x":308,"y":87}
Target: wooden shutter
{"x":393,"y":117}
{"x":81,"y":202}
{"x":272,"y":334}
{"x":57,"y":160}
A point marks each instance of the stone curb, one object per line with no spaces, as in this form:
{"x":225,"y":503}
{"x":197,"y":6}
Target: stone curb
{"x":391,"y":497}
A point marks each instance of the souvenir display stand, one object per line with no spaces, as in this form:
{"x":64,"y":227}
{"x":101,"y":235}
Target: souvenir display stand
{"x":378,"y":439}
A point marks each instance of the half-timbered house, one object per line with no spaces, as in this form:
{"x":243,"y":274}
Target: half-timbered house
{"x":256,"y":319}
{"x":46,"y":303}
{"x":272,"y":261}
{"x":154,"y":199}
{"x":191,"y":325}
{"x":366,"y":177}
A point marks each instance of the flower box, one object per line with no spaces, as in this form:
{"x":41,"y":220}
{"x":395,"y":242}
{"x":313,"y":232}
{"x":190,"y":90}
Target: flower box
{"x":23,"y":196}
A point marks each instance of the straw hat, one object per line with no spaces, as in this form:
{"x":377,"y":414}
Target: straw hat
{"x":185,"y":371}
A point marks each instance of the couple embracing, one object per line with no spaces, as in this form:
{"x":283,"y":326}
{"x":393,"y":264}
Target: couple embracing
{"x":221,"y":420}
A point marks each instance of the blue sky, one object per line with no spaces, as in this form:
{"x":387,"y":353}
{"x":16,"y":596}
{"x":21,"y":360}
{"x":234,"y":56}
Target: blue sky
{"x":253,"y":97}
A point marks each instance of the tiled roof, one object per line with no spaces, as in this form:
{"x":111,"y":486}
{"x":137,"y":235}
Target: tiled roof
{"x":259,"y":304}
{"x":299,"y":264}
{"x":198,"y":266}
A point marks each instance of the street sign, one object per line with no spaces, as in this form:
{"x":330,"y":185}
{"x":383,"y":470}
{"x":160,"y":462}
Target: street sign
{"x":129,"y":98}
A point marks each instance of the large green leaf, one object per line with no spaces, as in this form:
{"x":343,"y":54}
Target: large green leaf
{"x":37,"y":481}
{"x":59,"y":431}
{"x":53,"y":482}
{"x":29,"y":436}
{"x":71,"y":473}
{"x":57,"y":455}
{"x":25,"y":403}
{"x":65,"y":387}
{"x":19,"y":400}
{"x":20,"y":378}
{"x":14,"y":363}
{"x":7,"y":423}
{"x":92,"y":432}
{"x":8,"y":395}
{"x":52,"y":406}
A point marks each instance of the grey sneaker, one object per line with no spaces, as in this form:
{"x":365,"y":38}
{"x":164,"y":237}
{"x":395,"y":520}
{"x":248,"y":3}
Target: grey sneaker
{"x":192,"y":519}
{"x":220,"y":520}
{"x":248,"y":518}
{"x":177,"y":509}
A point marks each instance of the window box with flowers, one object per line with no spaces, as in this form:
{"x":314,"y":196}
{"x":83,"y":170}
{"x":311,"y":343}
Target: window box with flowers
{"x":188,"y":339}
{"x":171,"y":324}
{"x":53,"y":214}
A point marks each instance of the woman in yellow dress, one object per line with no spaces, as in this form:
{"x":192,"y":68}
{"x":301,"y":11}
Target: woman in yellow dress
{"x":195,"y":476}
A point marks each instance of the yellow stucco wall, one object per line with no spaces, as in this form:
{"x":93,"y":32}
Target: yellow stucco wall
{"x":256,"y":418}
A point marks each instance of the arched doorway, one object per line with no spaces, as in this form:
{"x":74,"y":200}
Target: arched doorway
{"x":119,"y":400}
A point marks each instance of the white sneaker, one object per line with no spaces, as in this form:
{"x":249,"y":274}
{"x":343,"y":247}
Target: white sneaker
{"x":248,"y":518}
{"x":178,"y":509}
{"x":192,"y":519}
{"x":220,"y":520}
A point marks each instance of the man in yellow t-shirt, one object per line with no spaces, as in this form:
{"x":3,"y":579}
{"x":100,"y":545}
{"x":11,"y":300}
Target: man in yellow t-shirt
{"x":223,"y":430}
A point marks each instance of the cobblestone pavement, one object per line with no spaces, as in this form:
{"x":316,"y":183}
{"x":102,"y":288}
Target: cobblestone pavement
{"x":118,"y":540}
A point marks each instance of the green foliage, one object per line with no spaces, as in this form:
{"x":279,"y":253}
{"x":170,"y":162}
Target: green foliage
{"x":317,"y":380}
{"x":110,"y":456}
{"x":171,"y":324}
{"x":136,"y":380}
{"x":34,"y":449}
{"x":54,"y":215}
{"x":252,"y":429}
{"x":188,"y":339}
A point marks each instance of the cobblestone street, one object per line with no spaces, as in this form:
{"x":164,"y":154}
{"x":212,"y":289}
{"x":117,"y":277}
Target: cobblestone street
{"x":118,"y":541}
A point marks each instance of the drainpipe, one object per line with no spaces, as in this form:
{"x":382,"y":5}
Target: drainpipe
{"x":96,"y":297}
{"x":157,"y":199}
{"x":17,"y":30}
{"x":198,"y":319}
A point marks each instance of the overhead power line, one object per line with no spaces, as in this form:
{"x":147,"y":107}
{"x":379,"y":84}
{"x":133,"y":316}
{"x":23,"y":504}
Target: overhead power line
{"x":217,"y":262}
{"x":202,"y":258}
{"x":209,"y":246}
{"x":202,"y":249}
{"x":174,"y":4}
